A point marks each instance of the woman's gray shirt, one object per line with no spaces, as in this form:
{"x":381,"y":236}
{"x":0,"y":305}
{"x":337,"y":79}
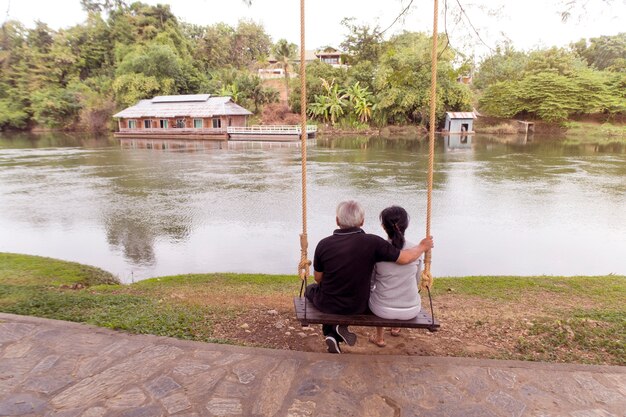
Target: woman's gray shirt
{"x":394,"y":289}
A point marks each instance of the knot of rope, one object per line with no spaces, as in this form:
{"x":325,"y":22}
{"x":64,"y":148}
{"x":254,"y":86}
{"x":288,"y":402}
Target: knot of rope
{"x":304,"y":267}
{"x":426,"y":279}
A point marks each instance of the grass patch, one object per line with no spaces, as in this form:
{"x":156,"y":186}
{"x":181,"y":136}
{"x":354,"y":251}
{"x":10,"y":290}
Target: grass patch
{"x":586,"y":336}
{"x":560,"y":319}
{"x":36,"y":270}
{"x":605,"y":290}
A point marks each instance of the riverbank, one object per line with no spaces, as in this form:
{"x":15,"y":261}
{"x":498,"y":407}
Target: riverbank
{"x":556,"y":319}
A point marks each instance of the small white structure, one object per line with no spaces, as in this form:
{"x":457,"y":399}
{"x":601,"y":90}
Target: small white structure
{"x":460,"y":122}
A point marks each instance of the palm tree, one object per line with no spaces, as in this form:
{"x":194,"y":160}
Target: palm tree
{"x":285,"y":52}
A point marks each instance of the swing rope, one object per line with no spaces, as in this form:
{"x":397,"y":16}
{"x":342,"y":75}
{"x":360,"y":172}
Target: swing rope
{"x":426,"y":280}
{"x":305,"y":263}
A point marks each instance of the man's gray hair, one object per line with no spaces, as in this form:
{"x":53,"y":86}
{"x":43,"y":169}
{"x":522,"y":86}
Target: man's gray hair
{"x":350,"y":214}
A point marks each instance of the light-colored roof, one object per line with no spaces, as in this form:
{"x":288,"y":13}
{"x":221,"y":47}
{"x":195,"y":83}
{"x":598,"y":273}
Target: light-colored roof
{"x":181,"y":98}
{"x":191,"y":105}
{"x":309,"y":55}
{"x":460,"y":115}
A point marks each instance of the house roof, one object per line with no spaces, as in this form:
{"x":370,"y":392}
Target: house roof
{"x":309,"y":55}
{"x":461,"y":115}
{"x":328,"y":51}
{"x":190,"y":105}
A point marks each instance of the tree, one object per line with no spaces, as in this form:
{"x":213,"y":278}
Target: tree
{"x":362,"y":43}
{"x":130,"y":88}
{"x":604,"y":52}
{"x":402,"y":81}
{"x":55,"y":107}
{"x":504,"y":65}
{"x":285,"y":52}
{"x":250,"y":44}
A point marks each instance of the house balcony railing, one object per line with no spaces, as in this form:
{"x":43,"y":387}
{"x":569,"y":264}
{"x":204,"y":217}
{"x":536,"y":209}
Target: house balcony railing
{"x":271,"y":129}
{"x":172,"y":130}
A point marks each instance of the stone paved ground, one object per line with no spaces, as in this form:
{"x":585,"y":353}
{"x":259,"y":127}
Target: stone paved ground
{"x":55,"y":368}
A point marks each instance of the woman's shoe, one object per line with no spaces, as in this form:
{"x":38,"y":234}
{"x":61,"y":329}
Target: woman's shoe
{"x":379,"y":343}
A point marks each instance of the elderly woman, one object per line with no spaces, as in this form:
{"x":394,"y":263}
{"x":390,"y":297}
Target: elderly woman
{"x":394,"y":287}
{"x":343,"y":264}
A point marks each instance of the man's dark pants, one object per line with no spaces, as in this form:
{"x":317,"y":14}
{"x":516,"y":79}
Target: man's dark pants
{"x":327,"y":329}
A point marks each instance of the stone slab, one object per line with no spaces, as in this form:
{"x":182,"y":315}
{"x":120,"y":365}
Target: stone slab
{"x":54,"y":368}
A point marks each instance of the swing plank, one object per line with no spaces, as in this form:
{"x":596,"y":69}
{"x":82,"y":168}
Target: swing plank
{"x":314,"y":316}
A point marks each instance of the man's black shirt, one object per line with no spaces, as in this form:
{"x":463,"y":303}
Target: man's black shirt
{"x":347,"y":259}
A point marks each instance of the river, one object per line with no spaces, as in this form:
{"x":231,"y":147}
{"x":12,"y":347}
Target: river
{"x":143,"y":209}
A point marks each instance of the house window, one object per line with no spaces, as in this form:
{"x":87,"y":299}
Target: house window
{"x":197,"y":123}
{"x":132,"y":124}
{"x":180,"y":123}
{"x":230,"y":121}
{"x":163,"y":123}
{"x":217,"y":123}
{"x":147,"y":124}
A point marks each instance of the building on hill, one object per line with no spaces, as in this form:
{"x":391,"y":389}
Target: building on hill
{"x":331,"y":56}
{"x":193,"y":116}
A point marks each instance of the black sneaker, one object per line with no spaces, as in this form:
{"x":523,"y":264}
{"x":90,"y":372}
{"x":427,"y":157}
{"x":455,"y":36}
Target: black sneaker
{"x":333,"y":346}
{"x":346,"y":335}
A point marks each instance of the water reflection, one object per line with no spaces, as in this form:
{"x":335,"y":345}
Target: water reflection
{"x":148,"y":207}
{"x":455,"y":142}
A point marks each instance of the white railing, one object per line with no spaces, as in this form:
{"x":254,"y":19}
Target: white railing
{"x":172,"y":130}
{"x":271,"y":129}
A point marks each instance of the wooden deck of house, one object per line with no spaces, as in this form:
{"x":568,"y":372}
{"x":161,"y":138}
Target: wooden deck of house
{"x":276,"y":133}
{"x":273,"y":133}
{"x":173,"y":133}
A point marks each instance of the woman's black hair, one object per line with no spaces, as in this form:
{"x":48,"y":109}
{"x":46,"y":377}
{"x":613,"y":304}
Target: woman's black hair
{"x":395,"y":220}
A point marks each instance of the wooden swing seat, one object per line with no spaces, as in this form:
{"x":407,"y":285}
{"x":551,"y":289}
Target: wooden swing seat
{"x":314,"y":316}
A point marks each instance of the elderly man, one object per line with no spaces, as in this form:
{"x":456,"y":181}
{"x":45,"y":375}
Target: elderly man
{"x":343,"y":265}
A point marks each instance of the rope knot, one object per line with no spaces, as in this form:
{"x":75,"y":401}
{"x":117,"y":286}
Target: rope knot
{"x":305,"y":263}
{"x":304,"y":269}
{"x":426,"y":280}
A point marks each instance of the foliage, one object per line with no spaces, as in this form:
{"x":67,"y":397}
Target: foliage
{"x":54,"y":107}
{"x":402,"y":82}
{"x":130,"y":88}
{"x":550,"y":84}
{"x":604,"y":52}
{"x":329,"y":106}
{"x":362,"y":43}
{"x":553,"y":97}
{"x":504,"y":65}
{"x":245,"y":88}
{"x":285,"y":52}
{"x":361,"y":100}
{"x":79,"y":76}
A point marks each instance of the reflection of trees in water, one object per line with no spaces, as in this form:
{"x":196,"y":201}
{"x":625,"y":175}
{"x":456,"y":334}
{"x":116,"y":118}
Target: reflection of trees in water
{"x":23,"y":140}
{"x":135,"y":238}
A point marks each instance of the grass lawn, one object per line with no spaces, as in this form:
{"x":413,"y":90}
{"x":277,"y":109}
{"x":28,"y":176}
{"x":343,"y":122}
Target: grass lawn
{"x":558,"y":319}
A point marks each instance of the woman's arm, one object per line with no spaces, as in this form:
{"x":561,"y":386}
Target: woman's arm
{"x":412,"y":254}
